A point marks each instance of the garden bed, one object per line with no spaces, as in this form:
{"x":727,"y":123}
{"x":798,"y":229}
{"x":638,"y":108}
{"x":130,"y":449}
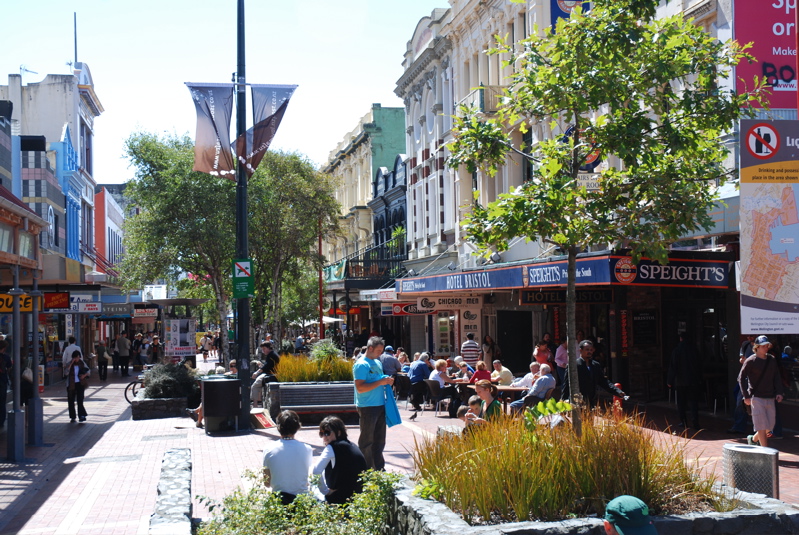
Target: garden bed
{"x":411,"y":515}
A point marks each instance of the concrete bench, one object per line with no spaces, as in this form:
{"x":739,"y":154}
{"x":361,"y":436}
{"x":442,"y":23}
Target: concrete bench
{"x":311,"y":398}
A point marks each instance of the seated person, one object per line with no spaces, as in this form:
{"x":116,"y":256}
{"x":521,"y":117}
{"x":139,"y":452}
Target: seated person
{"x":459,"y":360}
{"x":501,"y":375}
{"x":490,"y":408}
{"x":287,"y":465}
{"x":481,"y":373}
{"x":340,"y":464}
{"x":528,"y":380}
{"x":233,"y":369}
{"x":448,"y":388}
{"x":270,"y":359}
{"x":542,"y":385}
{"x":419,"y":371}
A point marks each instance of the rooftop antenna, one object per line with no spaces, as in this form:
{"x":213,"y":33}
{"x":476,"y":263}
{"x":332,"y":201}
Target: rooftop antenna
{"x":23,"y":69}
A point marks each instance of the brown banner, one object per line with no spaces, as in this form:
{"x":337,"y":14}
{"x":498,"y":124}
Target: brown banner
{"x":214,"y":106}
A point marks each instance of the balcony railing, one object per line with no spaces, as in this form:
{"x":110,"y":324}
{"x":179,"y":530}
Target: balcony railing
{"x":377,"y":262}
{"x":485,"y":99}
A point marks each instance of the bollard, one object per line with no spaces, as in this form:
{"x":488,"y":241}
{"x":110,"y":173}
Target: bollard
{"x":752,"y":469}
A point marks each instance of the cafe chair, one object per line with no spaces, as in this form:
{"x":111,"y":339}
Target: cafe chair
{"x":434,"y":396}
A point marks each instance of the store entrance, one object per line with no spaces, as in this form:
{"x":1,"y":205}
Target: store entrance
{"x":514,"y":336}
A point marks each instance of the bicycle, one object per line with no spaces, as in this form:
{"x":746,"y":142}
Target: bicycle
{"x":134,"y":386}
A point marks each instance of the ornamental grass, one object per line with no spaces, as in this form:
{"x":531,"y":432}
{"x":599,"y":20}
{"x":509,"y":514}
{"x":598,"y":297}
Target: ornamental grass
{"x":514,"y":470}
{"x":300,"y":368}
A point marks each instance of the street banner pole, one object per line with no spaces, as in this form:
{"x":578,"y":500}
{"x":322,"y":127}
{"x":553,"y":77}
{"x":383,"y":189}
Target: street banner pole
{"x":242,"y":229}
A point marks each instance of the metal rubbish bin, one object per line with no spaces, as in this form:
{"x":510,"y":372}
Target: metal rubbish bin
{"x":752,"y":469}
{"x":221,"y":402}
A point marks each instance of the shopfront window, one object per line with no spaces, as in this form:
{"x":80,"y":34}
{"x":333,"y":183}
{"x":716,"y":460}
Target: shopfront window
{"x":26,"y":245}
{"x":6,"y":238}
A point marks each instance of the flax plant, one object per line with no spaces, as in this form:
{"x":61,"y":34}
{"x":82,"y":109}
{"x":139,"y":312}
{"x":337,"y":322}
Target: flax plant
{"x":299,"y":368}
{"x":510,"y":471}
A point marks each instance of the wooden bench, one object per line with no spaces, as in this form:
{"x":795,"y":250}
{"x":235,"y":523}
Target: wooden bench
{"x":311,"y":398}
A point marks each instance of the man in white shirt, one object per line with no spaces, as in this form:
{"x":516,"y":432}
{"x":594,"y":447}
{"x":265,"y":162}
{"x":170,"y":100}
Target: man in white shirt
{"x":287,"y":466}
{"x":66,"y":356}
{"x":542,"y":385}
{"x":528,"y":380}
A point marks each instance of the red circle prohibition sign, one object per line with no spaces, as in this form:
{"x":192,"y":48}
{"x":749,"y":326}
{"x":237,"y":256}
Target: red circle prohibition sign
{"x":762,"y":141}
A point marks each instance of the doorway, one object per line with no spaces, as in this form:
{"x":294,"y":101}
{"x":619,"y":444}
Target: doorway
{"x":515,"y":339}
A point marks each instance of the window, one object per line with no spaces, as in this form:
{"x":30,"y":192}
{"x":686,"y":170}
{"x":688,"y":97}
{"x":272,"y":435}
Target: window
{"x":6,"y":238}
{"x":26,"y":245}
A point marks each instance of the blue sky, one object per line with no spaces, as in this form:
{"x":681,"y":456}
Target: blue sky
{"x":343,"y":54}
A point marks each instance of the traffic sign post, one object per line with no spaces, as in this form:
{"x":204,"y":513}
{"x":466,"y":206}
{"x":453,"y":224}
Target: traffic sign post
{"x":243,"y":283}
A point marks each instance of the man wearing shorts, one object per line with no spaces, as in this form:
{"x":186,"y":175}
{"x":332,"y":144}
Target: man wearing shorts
{"x":761,"y":386}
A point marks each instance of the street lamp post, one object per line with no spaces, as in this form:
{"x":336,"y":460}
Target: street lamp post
{"x":35,"y":406}
{"x":16,"y":418}
{"x":242,"y":227}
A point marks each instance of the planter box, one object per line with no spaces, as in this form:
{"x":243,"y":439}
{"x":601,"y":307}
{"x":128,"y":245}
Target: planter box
{"x":312,"y":401}
{"x":411,"y":515}
{"x":150,"y":409}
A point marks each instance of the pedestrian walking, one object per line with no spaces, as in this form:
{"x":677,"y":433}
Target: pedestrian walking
{"x":77,"y":376}
{"x":761,"y":386}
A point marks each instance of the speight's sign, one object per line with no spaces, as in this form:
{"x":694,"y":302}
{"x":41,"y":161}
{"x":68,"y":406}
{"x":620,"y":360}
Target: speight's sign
{"x":591,"y":271}
{"x":693,"y":273}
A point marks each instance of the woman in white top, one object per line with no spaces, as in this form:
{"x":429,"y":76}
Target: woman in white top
{"x":287,"y":465}
{"x":448,"y":386}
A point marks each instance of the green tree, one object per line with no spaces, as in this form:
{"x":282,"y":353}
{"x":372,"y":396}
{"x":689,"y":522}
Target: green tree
{"x":291,"y":203}
{"x":643,"y":91}
{"x":185,"y":222}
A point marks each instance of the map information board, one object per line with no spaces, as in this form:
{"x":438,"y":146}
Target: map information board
{"x":769,"y":222}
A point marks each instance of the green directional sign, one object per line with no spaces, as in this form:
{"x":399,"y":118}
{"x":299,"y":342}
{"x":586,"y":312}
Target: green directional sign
{"x":243,"y":281}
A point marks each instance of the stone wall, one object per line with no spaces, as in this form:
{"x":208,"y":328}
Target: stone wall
{"x":411,"y":515}
{"x":149,"y":409}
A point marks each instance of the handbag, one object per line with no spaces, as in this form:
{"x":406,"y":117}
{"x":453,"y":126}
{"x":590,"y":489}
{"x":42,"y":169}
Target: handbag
{"x":107,"y":356}
{"x":392,"y":412}
{"x":27,"y":374}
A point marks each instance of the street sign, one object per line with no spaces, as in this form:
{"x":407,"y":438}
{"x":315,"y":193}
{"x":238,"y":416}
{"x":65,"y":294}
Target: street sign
{"x":243,"y":281}
{"x":589,"y":180}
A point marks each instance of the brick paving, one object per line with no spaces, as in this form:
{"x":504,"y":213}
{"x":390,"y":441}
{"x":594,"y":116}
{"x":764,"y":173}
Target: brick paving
{"x":101,"y":477}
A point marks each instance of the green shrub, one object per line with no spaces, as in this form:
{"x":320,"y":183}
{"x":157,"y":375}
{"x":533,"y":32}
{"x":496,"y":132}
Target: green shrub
{"x":170,"y":381}
{"x":286,"y":347}
{"x":511,"y":471}
{"x":258,"y":511}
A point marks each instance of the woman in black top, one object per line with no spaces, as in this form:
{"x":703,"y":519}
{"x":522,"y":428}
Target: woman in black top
{"x":341,"y":462}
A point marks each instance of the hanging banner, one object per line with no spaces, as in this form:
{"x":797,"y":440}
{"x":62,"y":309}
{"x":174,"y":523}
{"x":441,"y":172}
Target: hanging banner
{"x":769,"y":222}
{"x":269,"y":103}
{"x":562,"y":9}
{"x":214,"y":106}
{"x":770,"y":28}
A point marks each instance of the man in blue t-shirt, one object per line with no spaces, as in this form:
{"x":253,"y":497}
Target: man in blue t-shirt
{"x":370,"y":401}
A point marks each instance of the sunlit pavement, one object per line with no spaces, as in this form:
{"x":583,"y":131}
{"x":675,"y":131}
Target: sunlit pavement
{"x":101,"y":476}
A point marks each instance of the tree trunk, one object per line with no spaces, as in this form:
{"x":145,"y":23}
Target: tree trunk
{"x":571,"y":331}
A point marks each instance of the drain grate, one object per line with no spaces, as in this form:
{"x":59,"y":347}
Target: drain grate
{"x":174,"y":436}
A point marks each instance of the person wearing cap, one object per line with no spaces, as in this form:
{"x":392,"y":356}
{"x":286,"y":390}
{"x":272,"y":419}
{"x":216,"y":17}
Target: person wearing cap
{"x":627,"y":515}
{"x":761,"y":386}
{"x":391,"y":365}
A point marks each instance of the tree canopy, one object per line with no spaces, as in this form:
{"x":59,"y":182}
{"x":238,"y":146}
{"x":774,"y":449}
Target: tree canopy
{"x":647,"y":94}
{"x":185,"y":223}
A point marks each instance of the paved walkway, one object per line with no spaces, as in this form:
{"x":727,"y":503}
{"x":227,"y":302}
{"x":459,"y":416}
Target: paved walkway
{"x":100,"y":477}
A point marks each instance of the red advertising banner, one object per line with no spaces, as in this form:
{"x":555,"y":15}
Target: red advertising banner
{"x":56,"y":300}
{"x":771,"y":28}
